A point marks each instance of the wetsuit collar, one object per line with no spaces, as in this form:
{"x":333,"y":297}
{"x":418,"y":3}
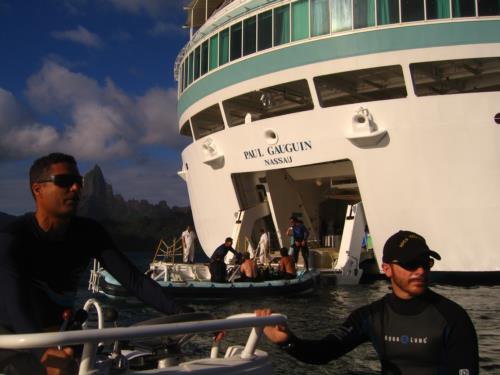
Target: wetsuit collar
{"x":409,"y":307}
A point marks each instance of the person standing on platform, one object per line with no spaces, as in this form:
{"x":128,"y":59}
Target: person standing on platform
{"x":218,"y":269}
{"x":414,"y":330}
{"x":300,"y":236}
{"x":263,"y":247}
{"x":188,"y":238}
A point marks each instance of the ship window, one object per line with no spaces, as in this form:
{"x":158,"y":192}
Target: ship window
{"x":268,"y":102}
{"x":488,"y":7}
{"x":265,"y":30}
{"x":359,"y":86}
{"x":464,"y":8}
{"x":196,"y":63}
{"x":186,"y":130}
{"x":387,"y":12}
{"x":185,"y":74}
{"x":341,"y":15}
{"x":236,"y":41}
{"x":282,"y":25}
{"x":207,"y":121}
{"x":438,"y":9}
{"x":214,"y":52}
{"x":300,"y":20}
{"x":191,"y":68}
{"x":204,"y":57}
{"x":223,"y":47}
{"x":249,"y":35}
{"x":456,"y":76}
{"x":412,"y":10}
{"x":320,"y":23}
{"x":364,"y":13}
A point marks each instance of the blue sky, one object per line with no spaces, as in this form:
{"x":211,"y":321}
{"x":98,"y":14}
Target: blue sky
{"x":93,"y":78}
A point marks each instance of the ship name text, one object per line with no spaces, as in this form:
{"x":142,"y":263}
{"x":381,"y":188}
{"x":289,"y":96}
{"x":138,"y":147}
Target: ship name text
{"x":278,"y":154}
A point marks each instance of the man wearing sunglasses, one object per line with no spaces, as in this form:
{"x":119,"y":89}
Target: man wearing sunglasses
{"x":42,"y":258}
{"x":413,"y":329}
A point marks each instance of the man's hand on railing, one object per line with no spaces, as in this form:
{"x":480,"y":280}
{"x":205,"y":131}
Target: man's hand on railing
{"x":59,"y":362}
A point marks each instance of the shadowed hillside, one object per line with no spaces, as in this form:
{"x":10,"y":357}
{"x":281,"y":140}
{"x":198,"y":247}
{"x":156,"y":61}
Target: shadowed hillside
{"x":134,"y":225}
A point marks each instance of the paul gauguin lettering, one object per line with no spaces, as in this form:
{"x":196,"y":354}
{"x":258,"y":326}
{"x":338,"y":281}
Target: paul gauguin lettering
{"x":280,"y":153}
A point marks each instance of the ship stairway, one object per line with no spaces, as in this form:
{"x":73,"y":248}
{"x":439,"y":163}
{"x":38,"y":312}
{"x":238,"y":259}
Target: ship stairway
{"x":347,"y":271}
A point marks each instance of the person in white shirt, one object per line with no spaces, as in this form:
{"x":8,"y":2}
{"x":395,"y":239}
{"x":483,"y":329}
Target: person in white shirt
{"x":188,"y":237}
{"x":263,"y":247}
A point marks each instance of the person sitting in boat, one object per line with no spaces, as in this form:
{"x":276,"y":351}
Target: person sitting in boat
{"x":286,"y":266}
{"x":248,"y":268}
{"x":42,"y":256}
{"x":413,"y":329}
{"x":218,"y":269}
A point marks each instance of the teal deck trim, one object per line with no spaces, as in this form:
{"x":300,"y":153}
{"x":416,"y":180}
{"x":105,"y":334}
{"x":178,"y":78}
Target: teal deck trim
{"x":336,"y":47}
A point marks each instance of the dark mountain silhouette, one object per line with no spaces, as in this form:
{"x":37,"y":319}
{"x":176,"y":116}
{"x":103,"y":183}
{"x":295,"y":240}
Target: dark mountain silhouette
{"x":135,"y":225}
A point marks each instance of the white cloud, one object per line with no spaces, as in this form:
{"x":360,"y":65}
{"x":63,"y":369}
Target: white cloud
{"x":79,"y":35}
{"x":102,"y":122}
{"x":21,"y":134}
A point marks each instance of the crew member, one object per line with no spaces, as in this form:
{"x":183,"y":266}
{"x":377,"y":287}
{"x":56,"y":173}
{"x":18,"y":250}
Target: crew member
{"x":218,"y":269}
{"x":300,"y":235}
{"x":413,"y":329}
{"x":262,"y":247}
{"x":44,"y":254}
{"x":188,"y":237}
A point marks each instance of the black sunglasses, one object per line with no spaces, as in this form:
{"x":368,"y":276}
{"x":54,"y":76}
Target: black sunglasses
{"x":65,"y":180}
{"x":426,"y":264}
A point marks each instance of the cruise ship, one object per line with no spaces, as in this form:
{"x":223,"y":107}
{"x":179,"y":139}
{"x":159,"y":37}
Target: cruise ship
{"x":346,"y":114}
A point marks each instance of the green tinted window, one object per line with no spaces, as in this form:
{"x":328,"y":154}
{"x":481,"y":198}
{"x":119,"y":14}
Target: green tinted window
{"x":204,"y":57}
{"x":282,"y":25}
{"x":438,"y":9}
{"x":214,"y":52}
{"x":265,"y":33}
{"x":464,"y":8}
{"x":387,"y":11}
{"x":196,"y":63}
{"x":300,"y":20}
{"x":236,"y":41}
{"x":249,"y":35}
{"x":341,"y":15}
{"x":320,"y":22}
{"x":488,"y":7}
{"x":412,"y":10}
{"x":191,"y":68}
{"x":223,"y":47}
{"x":364,"y":13}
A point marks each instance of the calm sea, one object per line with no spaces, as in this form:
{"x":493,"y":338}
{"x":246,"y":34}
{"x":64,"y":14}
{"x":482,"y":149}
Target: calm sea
{"x":316,"y":315}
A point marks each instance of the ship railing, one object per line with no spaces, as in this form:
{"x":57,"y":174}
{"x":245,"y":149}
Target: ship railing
{"x":90,"y":338}
{"x":165,"y":252}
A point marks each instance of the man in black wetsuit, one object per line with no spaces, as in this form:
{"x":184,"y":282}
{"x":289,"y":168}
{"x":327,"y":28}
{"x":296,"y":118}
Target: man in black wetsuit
{"x":414,"y":330}
{"x":44,"y":254}
{"x":218,"y":269}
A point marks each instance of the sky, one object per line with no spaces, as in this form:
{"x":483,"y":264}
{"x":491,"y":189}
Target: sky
{"x":92,"y":78}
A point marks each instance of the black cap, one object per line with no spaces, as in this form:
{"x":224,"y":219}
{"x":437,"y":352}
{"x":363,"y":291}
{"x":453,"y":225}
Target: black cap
{"x":405,"y":246}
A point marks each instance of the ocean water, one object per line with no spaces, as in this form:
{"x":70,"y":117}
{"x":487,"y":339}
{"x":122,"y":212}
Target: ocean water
{"x":315,"y":316}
